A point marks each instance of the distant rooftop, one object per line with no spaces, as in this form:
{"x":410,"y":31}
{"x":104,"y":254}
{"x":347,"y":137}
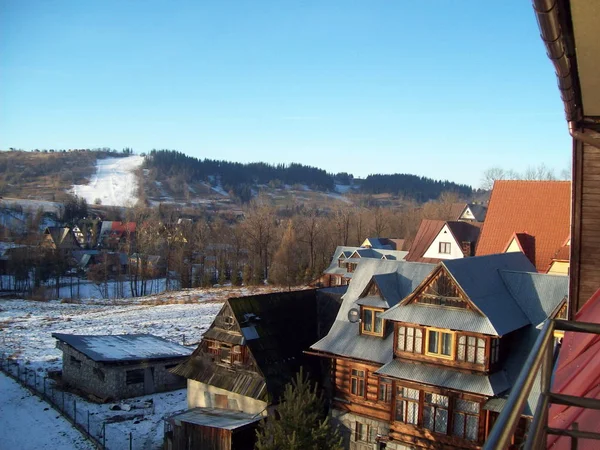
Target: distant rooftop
{"x":124,"y":347}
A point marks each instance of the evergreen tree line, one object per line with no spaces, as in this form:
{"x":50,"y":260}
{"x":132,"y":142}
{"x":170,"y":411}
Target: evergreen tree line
{"x":421,"y":189}
{"x":239,"y":178}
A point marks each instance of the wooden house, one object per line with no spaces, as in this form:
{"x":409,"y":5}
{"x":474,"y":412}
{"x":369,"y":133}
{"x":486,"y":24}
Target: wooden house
{"x":437,"y":240}
{"x":254,"y":347}
{"x":424,"y":355}
{"x":345,"y":259}
{"x":59,"y":238}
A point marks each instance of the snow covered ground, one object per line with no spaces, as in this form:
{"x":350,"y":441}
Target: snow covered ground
{"x":26,"y":329}
{"x":114,"y":182}
{"x":22,"y":413}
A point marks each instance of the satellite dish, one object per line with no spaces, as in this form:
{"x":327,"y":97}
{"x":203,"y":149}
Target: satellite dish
{"x":353,"y":315}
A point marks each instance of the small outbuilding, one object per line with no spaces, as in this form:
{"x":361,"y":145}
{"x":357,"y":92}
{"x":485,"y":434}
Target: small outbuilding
{"x":217,"y":429}
{"x":120,"y":366}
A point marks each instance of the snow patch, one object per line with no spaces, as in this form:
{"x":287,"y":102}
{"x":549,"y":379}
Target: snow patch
{"x":114,"y":182}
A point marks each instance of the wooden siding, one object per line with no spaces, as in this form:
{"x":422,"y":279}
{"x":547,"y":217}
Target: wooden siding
{"x":585,"y":226}
{"x":454,"y":363}
{"x":367,"y":405}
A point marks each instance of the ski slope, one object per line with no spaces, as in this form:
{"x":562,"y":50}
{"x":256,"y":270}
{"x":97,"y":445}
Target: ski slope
{"x":114,"y":182}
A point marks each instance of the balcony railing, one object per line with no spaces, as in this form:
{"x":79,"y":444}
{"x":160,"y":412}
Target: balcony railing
{"x":541,"y":359}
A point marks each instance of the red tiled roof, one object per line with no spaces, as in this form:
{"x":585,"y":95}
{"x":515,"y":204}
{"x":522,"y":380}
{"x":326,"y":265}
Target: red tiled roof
{"x":427,"y":232}
{"x":541,"y":209}
{"x":123,"y":227}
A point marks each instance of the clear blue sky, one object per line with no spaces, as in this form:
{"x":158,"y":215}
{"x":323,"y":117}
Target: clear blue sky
{"x":439,"y":88}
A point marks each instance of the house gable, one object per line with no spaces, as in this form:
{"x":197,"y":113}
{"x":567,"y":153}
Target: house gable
{"x":444,"y":246}
{"x":440,"y":289}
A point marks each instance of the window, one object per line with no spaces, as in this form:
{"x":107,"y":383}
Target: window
{"x":435,"y":413}
{"x":75,"y":362}
{"x":134,"y":376}
{"x":357,"y":382}
{"x":372,"y":323}
{"x":361,"y":432}
{"x":445,"y":247}
{"x":471,"y":349}
{"x":410,"y":339}
{"x":385,"y":390}
{"x":495,"y":350}
{"x":440,"y":344}
{"x":407,"y":405}
{"x":466,"y":419}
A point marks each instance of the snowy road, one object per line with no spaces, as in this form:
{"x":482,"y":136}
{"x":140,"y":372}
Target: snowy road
{"x":113,"y":183}
{"x":26,"y":422}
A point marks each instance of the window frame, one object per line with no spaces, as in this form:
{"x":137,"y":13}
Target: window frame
{"x":440,"y":332}
{"x":480,"y":343}
{"x":374,"y":312}
{"x":400,"y":398}
{"x":385,"y":389}
{"x":442,"y":246}
{"x":361,"y":389}
{"x":456,"y":412}
{"x":435,"y":407}
{"x":413,"y":339}
{"x":361,"y":432}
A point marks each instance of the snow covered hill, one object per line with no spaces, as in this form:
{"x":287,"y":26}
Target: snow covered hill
{"x":114,"y":182}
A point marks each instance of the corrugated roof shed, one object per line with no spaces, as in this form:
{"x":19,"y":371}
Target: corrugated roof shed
{"x":224,"y":419}
{"x":125,"y":347}
{"x":541,"y":209}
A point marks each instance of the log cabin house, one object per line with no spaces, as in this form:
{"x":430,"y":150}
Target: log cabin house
{"x":424,"y":356}
{"x":253,"y":348}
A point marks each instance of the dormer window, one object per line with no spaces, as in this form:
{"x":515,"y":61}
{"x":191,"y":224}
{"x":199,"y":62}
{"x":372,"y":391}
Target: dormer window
{"x":440,"y":343}
{"x":372,"y":323}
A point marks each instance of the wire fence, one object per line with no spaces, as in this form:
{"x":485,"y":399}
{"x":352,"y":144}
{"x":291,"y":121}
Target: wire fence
{"x":91,"y":427}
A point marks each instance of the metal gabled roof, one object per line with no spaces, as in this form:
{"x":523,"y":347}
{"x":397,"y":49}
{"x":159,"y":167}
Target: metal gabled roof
{"x":538,"y":294}
{"x":408,"y":277}
{"x":345,"y":340}
{"x":489,"y":385}
{"x":480,"y":279}
{"x":343,"y":251}
{"x":441,"y":317}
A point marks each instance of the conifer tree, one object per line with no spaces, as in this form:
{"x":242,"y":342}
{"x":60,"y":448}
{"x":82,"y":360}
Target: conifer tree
{"x":301,"y":423}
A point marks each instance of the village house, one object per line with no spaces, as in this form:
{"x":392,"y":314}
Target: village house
{"x":532,"y":217}
{"x":345,"y":259}
{"x":59,"y":238}
{"x":383,"y":243}
{"x":254,"y":347}
{"x":120,"y":366}
{"x":437,"y":240}
{"x":424,"y":355}
{"x":472,"y":212}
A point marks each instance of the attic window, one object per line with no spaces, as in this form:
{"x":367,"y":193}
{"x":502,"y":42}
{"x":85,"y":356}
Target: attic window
{"x":445,"y":248}
{"x":372,"y":323}
{"x":443,"y":292}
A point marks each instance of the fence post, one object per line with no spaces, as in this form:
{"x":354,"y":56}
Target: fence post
{"x":63,"y":408}
{"x":104,"y":435}
{"x":35,"y":380}
{"x":88,"y":421}
{"x":44,"y":386}
{"x":75,"y":411}
{"x":130,"y":441}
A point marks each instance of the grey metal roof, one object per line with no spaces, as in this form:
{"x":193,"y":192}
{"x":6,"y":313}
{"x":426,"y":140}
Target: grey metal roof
{"x":344,"y":339}
{"x":224,"y":419}
{"x":124,"y":347}
{"x":480,"y":279}
{"x":489,"y":385}
{"x":394,"y":255}
{"x":408,"y":277}
{"x":438,"y":316}
{"x":538,"y":294}
{"x":340,"y":251}
{"x":375,"y":301}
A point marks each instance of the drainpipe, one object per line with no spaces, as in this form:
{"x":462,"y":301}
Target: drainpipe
{"x":585,"y":138}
